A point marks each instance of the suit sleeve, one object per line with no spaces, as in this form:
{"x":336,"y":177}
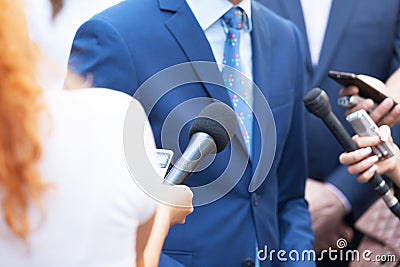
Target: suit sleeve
{"x":100,"y":55}
{"x":360,"y":196}
{"x":294,"y":218}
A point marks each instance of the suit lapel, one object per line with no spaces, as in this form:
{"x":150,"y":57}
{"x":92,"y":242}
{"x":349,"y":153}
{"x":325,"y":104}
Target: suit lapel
{"x":187,"y":32}
{"x":293,"y":11}
{"x":338,"y":19}
{"x":191,"y":38}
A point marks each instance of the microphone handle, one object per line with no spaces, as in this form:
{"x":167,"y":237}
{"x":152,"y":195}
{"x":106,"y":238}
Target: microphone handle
{"x":200,"y":146}
{"x":377,"y":182}
{"x":340,"y":133}
{"x":176,"y":176}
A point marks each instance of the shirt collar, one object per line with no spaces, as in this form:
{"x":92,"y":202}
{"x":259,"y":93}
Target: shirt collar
{"x":207,"y":16}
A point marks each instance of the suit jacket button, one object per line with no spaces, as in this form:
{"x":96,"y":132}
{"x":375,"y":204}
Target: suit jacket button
{"x":255,"y":199}
{"x":248,"y":263}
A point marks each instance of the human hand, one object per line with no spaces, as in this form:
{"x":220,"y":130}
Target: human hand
{"x":363,"y":163}
{"x":167,"y":215}
{"x":386,"y":113}
{"x":331,"y":238}
{"x":177,"y":214}
{"x":327,"y":213}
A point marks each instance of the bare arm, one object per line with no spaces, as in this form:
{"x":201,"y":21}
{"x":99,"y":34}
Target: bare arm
{"x":142,"y":237}
{"x":151,"y":235}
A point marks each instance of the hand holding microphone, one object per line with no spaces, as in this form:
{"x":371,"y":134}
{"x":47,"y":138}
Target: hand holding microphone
{"x":176,"y":215}
{"x":361,"y":162}
{"x":210,"y":133}
{"x":317,"y":102}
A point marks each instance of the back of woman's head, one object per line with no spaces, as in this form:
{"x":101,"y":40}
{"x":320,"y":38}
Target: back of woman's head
{"x":20,"y":147}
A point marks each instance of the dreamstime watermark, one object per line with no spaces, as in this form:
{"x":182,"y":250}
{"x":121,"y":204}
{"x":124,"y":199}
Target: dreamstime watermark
{"x":332,"y":254}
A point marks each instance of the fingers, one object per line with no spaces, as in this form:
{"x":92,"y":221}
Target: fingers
{"x":355,"y":156}
{"x":173,"y":215}
{"x":367,"y":175}
{"x":177,"y":196}
{"x":329,"y":238}
{"x":183,"y":214}
{"x":366,"y":141}
{"x":385,"y":133}
{"x":359,"y":164}
{"x":381,"y":110}
{"x":345,"y":231}
{"x":349,"y":90}
{"x":384,"y":113}
{"x":348,"y":234}
{"x":187,"y":192}
{"x":186,"y":196}
{"x":367,"y":104}
{"x":176,"y":214}
{"x":363,"y":165}
{"x":392,"y":117}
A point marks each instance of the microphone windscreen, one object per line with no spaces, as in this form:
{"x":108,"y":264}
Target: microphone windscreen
{"x":317,"y":102}
{"x":217,"y":120}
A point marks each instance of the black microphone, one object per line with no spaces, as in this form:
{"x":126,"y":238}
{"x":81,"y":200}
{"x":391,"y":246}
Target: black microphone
{"x":317,"y":103}
{"x":210,"y":133}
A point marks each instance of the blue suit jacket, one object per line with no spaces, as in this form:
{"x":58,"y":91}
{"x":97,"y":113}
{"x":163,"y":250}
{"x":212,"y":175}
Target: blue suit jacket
{"x":362,"y":36}
{"x":125,"y":45}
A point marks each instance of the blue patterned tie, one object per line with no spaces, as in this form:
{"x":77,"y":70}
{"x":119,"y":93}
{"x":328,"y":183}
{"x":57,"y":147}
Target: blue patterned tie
{"x":239,"y":90}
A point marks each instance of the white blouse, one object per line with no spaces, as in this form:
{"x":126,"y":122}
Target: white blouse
{"x":93,"y":206}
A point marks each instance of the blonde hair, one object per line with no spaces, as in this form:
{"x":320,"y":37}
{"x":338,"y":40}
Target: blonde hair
{"x":20,"y":95}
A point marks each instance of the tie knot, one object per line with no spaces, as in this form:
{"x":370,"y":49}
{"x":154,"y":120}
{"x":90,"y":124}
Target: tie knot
{"x":234,"y":18}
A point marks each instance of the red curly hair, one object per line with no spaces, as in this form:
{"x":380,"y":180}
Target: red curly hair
{"x":20,"y":96}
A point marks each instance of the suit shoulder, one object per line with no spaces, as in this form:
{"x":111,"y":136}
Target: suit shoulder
{"x":269,"y":17}
{"x":128,"y":11}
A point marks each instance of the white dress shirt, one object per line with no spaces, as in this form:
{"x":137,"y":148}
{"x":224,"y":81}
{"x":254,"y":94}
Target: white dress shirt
{"x":316,"y":16}
{"x":211,"y":23}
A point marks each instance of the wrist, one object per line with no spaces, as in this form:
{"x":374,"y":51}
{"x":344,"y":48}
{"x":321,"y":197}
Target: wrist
{"x":341,"y":202}
{"x":396,"y":177}
{"x":163,"y":216}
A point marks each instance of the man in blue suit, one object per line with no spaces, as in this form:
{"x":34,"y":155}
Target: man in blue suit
{"x":127,"y":44}
{"x":359,"y":36}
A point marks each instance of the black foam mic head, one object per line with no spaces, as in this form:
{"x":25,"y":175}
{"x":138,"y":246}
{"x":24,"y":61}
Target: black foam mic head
{"x":317,"y":102}
{"x":217,"y":120}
